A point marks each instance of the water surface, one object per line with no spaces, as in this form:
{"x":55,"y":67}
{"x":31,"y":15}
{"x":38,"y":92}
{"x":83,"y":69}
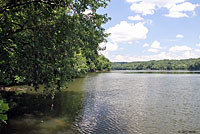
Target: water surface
{"x":118,"y":102}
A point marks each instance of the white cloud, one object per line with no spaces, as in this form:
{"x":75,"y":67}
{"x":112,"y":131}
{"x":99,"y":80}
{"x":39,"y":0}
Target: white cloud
{"x":197,"y":50}
{"x":179,"y":36}
{"x":180,"y":48}
{"x":135,"y":18}
{"x":146,"y":45}
{"x":109,"y":46}
{"x":143,"y":7}
{"x":130,"y":42}
{"x":179,"y":10}
{"x":119,"y":58}
{"x":159,"y":56}
{"x":176,"y":15}
{"x":176,"y":8}
{"x":153,"y":50}
{"x":127,"y":32}
{"x":189,"y":54}
{"x":186,"y":6}
{"x":156,"y":45}
{"x":159,"y":3}
{"x":198,"y":45}
{"x":137,"y":42}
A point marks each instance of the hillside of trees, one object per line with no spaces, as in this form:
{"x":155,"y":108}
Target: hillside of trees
{"x":49,"y":42}
{"x":187,"y":64}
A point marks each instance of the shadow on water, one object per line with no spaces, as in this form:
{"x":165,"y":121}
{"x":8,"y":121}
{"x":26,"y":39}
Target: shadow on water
{"x":34,"y":114}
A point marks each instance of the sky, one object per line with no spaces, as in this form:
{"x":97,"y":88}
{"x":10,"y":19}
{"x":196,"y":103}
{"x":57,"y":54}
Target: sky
{"x":143,"y":30}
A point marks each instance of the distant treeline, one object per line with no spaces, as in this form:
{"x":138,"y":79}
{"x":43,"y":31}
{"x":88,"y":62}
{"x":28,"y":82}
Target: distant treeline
{"x":187,"y":64}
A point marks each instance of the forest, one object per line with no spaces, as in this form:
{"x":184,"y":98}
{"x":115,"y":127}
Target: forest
{"x":49,"y":42}
{"x":186,"y":64}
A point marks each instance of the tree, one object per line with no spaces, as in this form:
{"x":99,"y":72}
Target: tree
{"x":103,"y":64}
{"x":187,"y":64}
{"x":42,"y":41}
{"x":195,"y":66}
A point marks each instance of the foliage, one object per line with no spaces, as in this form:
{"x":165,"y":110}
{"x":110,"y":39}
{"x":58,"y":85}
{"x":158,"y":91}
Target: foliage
{"x":3,"y":109}
{"x":50,"y":42}
{"x":103,"y":64}
{"x":188,"y":64}
{"x":195,"y":66}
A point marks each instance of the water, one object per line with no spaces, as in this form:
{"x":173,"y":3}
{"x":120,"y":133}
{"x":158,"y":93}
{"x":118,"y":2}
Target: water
{"x":119,"y":102}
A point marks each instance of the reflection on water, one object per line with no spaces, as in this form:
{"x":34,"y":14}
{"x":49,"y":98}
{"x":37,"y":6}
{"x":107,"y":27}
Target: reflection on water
{"x":116,"y":103}
{"x":137,"y":103}
{"x":39,"y":115}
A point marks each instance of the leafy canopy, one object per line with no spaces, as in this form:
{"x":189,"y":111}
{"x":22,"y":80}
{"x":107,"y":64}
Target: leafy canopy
{"x":50,"y":42}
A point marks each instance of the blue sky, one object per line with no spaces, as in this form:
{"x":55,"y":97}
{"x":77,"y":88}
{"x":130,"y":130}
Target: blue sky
{"x":143,"y":30}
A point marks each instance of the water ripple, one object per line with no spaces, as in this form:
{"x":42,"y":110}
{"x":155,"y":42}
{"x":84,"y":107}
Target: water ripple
{"x":140,"y":104}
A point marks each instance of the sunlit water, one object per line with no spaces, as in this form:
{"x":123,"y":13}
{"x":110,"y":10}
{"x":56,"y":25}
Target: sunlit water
{"x":119,"y":102}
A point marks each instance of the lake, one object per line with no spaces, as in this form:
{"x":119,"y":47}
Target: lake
{"x":118,"y":102}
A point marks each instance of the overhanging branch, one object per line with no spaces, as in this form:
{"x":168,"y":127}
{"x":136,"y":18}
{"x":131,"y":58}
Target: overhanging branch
{"x":10,"y":6}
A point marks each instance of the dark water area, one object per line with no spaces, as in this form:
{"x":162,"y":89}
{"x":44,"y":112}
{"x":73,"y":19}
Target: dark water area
{"x":119,"y":102}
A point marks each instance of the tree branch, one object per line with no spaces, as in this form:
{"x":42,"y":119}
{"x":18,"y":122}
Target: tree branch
{"x":10,"y":6}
